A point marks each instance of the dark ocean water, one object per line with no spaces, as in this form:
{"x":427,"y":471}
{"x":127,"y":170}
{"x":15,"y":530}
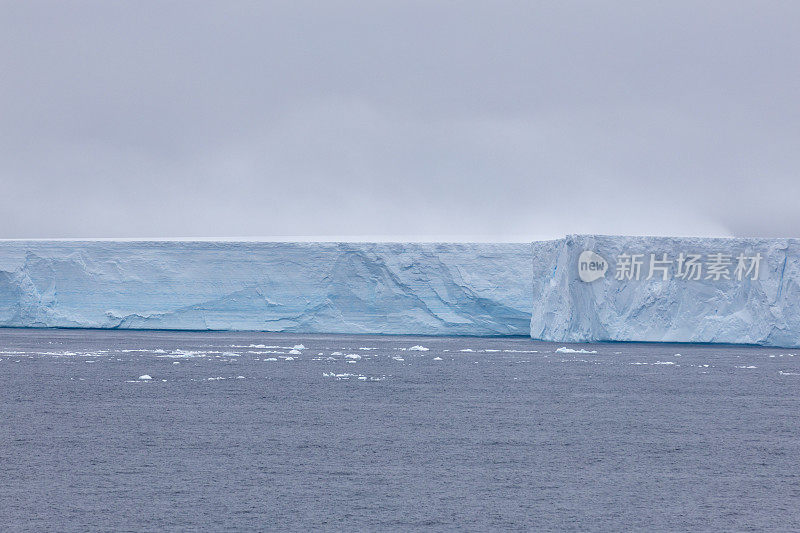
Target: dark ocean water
{"x":511,"y":435}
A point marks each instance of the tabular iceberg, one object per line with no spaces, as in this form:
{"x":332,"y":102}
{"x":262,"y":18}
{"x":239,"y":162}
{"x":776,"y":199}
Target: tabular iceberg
{"x":437,"y":289}
{"x":712,"y":303}
{"x":576,"y":289}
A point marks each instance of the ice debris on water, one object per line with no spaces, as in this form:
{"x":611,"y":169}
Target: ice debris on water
{"x":564,"y":349}
{"x":346,"y":376}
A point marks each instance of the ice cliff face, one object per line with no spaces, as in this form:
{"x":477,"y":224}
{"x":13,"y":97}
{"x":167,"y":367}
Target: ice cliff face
{"x":437,"y":289}
{"x":716,"y":301}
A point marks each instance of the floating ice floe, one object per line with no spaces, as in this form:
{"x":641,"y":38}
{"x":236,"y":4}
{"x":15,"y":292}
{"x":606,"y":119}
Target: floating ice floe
{"x":145,"y":377}
{"x":185,"y":354}
{"x":295,"y":352}
{"x":254,"y":346}
{"x":782,"y":373}
{"x":746,"y":366}
{"x":345,"y":376}
{"x":352,"y":356}
{"x":418,"y":348}
{"x":564,"y":349}
{"x":398,"y":358}
{"x":298,"y":347}
{"x":288,"y":358}
{"x":437,"y":358}
{"x":467,"y":350}
{"x":270,"y":359}
{"x":335,"y":375}
{"x":664,"y":363}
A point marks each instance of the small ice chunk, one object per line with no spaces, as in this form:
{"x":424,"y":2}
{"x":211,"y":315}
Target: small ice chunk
{"x":295,"y":351}
{"x":145,"y":377}
{"x":176,"y":362}
{"x":352,"y":356}
{"x":288,"y":358}
{"x":298,"y":347}
{"x":437,"y":358}
{"x":418,"y":348}
{"x":564,"y":349}
{"x":270,"y":359}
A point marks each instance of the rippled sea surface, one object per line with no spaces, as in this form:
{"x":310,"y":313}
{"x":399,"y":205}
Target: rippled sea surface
{"x":249,"y":431}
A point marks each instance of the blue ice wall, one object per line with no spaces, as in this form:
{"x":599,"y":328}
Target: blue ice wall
{"x":718,"y":307}
{"x":437,"y":289}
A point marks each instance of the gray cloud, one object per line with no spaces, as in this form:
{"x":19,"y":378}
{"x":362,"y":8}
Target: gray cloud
{"x":467,"y":120}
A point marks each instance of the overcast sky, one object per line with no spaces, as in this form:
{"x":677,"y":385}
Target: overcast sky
{"x":458,"y":120}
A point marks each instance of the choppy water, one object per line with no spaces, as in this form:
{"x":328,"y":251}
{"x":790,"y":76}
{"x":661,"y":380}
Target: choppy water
{"x":252,"y":431}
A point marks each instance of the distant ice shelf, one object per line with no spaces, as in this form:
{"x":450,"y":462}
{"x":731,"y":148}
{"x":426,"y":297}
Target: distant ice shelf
{"x":403,"y":288}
